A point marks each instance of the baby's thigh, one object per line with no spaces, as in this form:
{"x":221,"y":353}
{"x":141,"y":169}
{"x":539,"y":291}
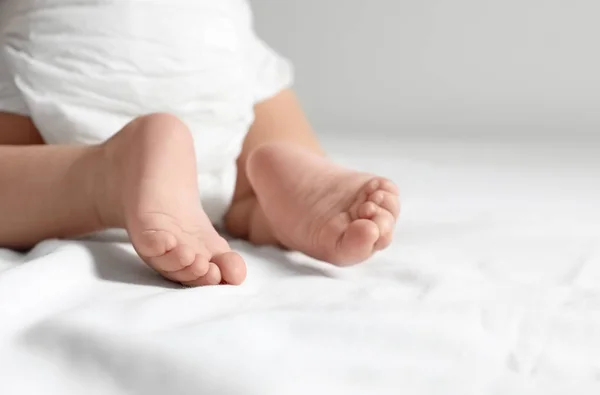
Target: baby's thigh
{"x":16,"y":129}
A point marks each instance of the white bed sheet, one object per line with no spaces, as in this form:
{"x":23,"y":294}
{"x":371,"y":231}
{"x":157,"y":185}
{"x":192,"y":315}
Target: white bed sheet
{"x":492,"y":286}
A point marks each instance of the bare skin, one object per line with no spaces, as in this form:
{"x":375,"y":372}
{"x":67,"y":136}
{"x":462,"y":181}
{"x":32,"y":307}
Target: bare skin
{"x":280,"y":119}
{"x":162,"y":212}
{"x":328,"y":212}
{"x":331,"y":213}
{"x":281,"y":137}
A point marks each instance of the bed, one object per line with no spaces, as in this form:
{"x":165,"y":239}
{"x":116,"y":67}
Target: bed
{"x":492,"y":286}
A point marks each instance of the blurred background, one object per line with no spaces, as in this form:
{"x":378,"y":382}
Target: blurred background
{"x":435,"y":66}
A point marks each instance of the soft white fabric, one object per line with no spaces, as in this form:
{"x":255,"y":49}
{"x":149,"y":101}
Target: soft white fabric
{"x":11,"y":99}
{"x":83,"y":69}
{"x":492,"y":286}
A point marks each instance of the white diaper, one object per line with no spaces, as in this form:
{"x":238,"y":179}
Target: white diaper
{"x":83,"y":69}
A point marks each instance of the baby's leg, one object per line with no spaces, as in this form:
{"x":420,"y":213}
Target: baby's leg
{"x":143,"y":179}
{"x":290,"y":194}
{"x":276,"y":120}
{"x":45,"y":191}
{"x":18,"y":130}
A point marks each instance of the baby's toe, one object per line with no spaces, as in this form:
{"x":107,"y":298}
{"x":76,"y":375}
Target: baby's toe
{"x":385,"y":221}
{"x":232,"y":267}
{"x":174,"y":260}
{"x":383,"y":218}
{"x":384,"y":241}
{"x":212,"y":277}
{"x":387,"y":201}
{"x":356,"y":243}
{"x":153,"y":243}
{"x":367,"y":210}
{"x":381,"y":183}
{"x":199,"y":268}
{"x":389,"y":186}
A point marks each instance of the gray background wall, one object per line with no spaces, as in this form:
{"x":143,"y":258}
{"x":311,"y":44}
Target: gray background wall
{"x":468,"y":65}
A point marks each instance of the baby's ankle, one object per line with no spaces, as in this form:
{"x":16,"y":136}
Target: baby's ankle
{"x":104,"y":188}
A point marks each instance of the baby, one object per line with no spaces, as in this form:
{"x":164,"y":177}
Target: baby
{"x":167,"y":118}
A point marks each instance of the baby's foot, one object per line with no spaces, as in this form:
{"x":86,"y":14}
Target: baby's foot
{"x":153,"y":182}
{"x":325,"y":211}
